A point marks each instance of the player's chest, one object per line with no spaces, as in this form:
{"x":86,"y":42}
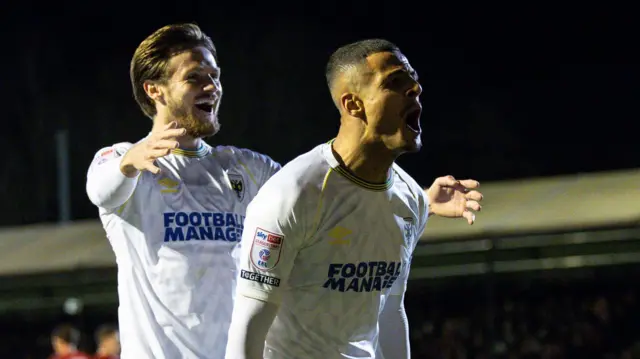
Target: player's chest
{"x":387,"y":237}
{"x":202,"y":186}
{"x":383,"y":227}
{"x":194,"y":206}
{"x":365,"y":255}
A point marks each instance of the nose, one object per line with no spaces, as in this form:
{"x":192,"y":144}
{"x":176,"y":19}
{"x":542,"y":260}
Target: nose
{"x":212,"y":85}
{"x":415,"y":90}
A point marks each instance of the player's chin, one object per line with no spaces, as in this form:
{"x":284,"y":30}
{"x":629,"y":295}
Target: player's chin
{"x":203,"y":128}
{"x":412,"y":140}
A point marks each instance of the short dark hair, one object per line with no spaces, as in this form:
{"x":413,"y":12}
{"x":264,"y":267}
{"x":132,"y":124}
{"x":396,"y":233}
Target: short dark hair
{"x":150,"y":60}
{"x":68,"y":333}
{"x":104,"y":331}
{"x":355,"y":54}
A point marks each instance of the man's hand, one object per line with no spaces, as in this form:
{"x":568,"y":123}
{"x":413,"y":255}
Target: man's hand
{"x":142,"y":156}
{"x":451,"y":198}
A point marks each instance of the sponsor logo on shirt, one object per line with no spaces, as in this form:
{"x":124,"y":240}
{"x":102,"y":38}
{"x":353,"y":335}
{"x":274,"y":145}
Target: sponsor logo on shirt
{"x":265,"y":249}
{"x":260,"y":278}
{"x":362,"y":276}
{"x":200,"y":226}
{"x":169,"y":185}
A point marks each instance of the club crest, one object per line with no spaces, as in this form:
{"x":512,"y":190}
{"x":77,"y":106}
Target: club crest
{"x":237,"y":185}
{"x":408,"y":229}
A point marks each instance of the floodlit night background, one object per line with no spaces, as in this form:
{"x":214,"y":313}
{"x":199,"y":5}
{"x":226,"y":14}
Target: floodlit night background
{"x":539,"y":105}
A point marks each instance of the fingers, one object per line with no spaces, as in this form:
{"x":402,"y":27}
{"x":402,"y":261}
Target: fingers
{"x":474,"y":205}
{"x":445,"y":181}
{"x":170,"y":133}
{"x":165,"y":144}
{"x":470,"y":184}
{"x":156,"y":146}
{"x":474,"y":196}
{"x":155,"y":153}
{"x":149,"y":166}
{"x":469,"y":216}
{"x":450,"y":181}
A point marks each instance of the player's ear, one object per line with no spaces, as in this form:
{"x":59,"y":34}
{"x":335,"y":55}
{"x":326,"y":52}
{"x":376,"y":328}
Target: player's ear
{"x":154,"y":90}
{"x":351,"y":104}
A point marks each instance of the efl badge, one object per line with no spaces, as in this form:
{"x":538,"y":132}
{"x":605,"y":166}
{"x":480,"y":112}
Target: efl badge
{"x":104,"y":156}
{"x":237,"y":185}
{"x":265,"y":250}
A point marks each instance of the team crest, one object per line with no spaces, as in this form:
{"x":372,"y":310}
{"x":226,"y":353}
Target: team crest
{"x":237,"y":185}
{"x":266,"y":249}
{"x":408,"y":229}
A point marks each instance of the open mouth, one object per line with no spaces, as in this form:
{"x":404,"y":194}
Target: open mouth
{"x":205,"y":104}
{"x":412,"y":120}
{"x":205,"y":107}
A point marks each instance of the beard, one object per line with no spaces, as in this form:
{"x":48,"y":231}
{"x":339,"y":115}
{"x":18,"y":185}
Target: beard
{"x":197,"y":123}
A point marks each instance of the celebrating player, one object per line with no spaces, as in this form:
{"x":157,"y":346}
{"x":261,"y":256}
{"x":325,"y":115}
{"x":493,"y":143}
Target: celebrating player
{"x":328,"y":240}
{"x":172,"y":206}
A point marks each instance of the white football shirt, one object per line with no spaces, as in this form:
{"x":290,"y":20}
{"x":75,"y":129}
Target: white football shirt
{"x":175,"y":240}
{"x":329,"y":247}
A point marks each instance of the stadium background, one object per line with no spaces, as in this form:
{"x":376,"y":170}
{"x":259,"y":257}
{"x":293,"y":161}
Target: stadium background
{"x":537,"y":104}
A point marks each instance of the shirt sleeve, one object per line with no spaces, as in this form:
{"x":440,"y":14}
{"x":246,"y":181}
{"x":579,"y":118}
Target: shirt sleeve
{"x":107,"y":187}
{"x":400,"y":284}
{"x":394,"y":330}
{"x":250,"y":324}
{"x":271,"y":167}
{"x":272,"y":236}
{"x":261,"y":167}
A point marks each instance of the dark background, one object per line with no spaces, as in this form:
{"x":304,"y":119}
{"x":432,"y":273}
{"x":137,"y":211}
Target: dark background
{"x":509,"y":92}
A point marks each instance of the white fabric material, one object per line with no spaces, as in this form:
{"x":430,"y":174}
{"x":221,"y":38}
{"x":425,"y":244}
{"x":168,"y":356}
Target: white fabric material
{"x":175,"y":238}
{"x":329,"y":247}
{"x":249,"y":326}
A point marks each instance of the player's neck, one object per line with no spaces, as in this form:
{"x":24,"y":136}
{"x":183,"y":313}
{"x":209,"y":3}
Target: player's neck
{"x":368,"y":161}
{"x":185,"y":142}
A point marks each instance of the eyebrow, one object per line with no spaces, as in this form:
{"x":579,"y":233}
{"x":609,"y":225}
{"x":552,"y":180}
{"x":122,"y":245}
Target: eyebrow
{"x":411,"y":73}
{"x":200,"y":68}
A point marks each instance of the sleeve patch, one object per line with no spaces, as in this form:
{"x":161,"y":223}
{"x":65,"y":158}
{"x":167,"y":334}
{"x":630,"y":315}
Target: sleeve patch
{"x":260,"y":278}
{"x":266,"y":249}
{"x":109,"y":153}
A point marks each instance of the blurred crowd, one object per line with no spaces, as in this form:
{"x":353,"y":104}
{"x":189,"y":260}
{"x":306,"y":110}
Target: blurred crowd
{"x":66,"y":343}
{"x":599,"y":319}
{"x":547,"y":323}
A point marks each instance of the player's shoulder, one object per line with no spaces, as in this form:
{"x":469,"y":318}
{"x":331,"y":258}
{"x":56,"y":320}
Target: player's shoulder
{"x":413,"y":185}
{"x":241,"y":155}
{"x":111,"y":152}
{"x":117,"y":149}
{"x":307,"y":169}
{"x":302,"y":176}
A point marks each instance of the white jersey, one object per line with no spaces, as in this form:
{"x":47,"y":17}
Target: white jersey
{"x":329,"y":247}
{"x":175,"y":241}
